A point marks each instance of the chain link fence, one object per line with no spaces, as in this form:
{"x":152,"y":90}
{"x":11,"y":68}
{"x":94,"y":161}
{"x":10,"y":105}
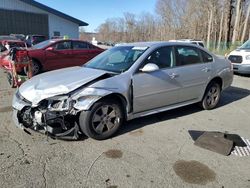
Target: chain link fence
{"x":223,"y":48}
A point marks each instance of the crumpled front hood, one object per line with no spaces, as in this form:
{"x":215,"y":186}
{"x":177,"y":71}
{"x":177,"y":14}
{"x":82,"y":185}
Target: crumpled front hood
{"x":57,"y":82}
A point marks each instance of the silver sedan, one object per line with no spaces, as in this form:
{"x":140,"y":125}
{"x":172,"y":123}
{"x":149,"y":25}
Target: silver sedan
{"x":125,"y":82}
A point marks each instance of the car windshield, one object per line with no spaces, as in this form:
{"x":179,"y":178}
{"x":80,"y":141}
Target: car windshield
{"x":43,"y":44}
{"x":246,"y":45}
{"x":117,"y":59}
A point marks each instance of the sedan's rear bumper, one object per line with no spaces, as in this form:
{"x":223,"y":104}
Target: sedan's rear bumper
{"x":241,"y":68}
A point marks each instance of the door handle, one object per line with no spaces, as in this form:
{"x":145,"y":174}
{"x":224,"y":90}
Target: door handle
{"x":173,"y":75}
{"x":206,"y":70}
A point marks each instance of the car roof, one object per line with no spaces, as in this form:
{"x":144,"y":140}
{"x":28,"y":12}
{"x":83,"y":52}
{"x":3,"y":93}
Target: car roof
{"x":7,"y":37}
{"x":19,"y":41}
{"x":156,"y":43}
{"x":57,"y":40}
{"x":36,"y":35}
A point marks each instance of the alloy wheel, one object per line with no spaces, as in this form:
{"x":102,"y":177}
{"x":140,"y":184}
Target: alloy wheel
{"x":213,"y":96}
{"x":35,"y":68}
{"x":105,"y":119}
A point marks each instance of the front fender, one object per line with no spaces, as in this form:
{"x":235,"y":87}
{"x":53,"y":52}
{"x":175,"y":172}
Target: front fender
{"x":86,"y":98}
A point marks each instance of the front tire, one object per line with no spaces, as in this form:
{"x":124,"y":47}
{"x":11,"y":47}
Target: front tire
{"x":102,"y":121}
{"x":211,"y":97}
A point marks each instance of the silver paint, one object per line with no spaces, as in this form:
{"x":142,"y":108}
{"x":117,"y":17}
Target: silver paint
{"x":143,"y":93}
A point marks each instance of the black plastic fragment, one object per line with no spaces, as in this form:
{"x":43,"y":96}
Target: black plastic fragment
{"x":26,"y":131}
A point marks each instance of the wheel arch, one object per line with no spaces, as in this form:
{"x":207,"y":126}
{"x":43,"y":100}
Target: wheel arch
{"x":216,"y":79}
{"x":85,"y":106}
{"x":37,"y":61}
{"x":121,"y":100}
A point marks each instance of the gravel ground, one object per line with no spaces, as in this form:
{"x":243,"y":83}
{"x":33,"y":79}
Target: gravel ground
{"x":154,"y":151}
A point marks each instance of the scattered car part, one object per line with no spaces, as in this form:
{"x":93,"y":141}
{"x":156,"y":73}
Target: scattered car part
{"x":32,"y":40}
{"x":222,"y":143}
{"x":215,"y":142}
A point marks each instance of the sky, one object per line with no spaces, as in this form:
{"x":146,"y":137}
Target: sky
{"x":95,"y":12}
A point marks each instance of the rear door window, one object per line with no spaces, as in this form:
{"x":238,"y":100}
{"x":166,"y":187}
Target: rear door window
{"x":65,"y":45}
{"x":187,"y":55}
{"x":80,"y":45}
{"x":201,"y":44}
{"x":206,"y":57}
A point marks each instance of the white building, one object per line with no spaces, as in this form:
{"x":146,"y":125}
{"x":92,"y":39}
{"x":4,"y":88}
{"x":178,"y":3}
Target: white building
{"x":31,"y":17}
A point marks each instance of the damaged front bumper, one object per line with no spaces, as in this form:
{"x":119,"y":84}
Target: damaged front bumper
{"x":43,"y":119}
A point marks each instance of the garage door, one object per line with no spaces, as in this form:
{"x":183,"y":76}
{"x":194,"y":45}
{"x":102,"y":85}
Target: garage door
{"x":23,"y":23}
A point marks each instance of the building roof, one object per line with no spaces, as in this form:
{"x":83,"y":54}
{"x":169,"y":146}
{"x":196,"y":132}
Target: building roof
{"x":55,"y":12}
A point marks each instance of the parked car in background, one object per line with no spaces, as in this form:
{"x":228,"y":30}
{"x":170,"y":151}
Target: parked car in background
{"x":240,"y":58}
{"x":32,"y":40}
{"x":19,"y":36}
{"x":57,"y":53}
{"x":57,"y":37}
{"x":191,"y":41}
{"x":122,"y":83}
{"x":5,"y":49}
{"x":5,"y":38}
{"x":12,"y":44}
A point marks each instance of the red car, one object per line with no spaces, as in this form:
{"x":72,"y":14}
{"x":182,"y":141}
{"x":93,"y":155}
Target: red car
{"x":4,"y":59}
{"x":57,"y":53}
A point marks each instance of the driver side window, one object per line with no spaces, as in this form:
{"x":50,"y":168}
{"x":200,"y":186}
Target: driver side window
{"x":65,"y":45}
{"x":162,"y":57}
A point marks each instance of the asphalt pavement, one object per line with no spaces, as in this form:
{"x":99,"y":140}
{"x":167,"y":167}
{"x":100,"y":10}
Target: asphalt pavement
{"x":153,"y":151}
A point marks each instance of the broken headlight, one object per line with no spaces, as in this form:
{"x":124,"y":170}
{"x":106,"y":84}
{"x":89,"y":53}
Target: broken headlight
{"x":58,"y":103}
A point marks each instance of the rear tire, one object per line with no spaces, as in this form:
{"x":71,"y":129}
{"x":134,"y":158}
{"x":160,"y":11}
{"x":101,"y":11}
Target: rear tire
{"x":211,"y":97}
{"x":102,"y":121}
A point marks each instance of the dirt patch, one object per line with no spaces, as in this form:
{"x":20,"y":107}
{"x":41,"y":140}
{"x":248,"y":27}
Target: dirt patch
{"x":5,"y":93}
{"x":194,"y":172}
{"x":113,"y":153}
{"x":6,"y":109}
{"x":136,"y":133}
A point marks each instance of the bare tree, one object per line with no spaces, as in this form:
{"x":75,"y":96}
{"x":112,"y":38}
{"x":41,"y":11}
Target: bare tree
{"x":237,"y":21}
{"x":245,"y":24}
{"x":214,"y":21}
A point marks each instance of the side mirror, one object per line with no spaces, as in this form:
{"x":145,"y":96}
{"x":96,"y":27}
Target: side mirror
{"x":150,"y":67}
{"x":50,"y":48}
